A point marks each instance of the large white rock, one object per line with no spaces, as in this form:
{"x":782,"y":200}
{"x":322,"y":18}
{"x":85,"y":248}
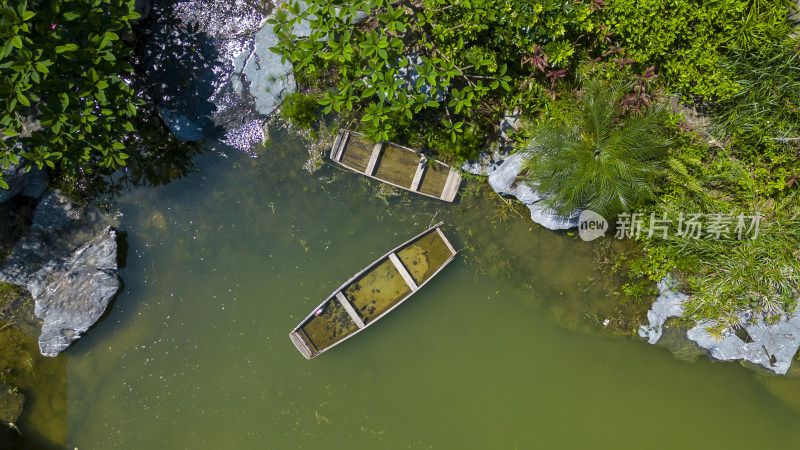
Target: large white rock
{"x":270,"y":79}
{"x":504,"y":181}
{"x":773,"y":346}
{"x":669,"y":303}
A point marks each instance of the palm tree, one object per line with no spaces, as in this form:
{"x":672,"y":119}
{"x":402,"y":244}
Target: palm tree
{"x":599,"y":157}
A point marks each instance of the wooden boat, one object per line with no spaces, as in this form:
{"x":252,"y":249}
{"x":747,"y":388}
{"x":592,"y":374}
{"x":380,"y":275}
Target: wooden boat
{"x":374,"y":292}
{"x":396,"y":165}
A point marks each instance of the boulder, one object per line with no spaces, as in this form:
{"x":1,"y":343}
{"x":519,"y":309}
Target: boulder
{"x":71,"y":294}
{"x":669,"y":303}
{"x":770,"y":346}
{"x":36,"y":183}
{"x":270,"y":79}
{"x":32,"y":183}
{"x":11,"y":402}
{"x":51,"y":237}
{"x":54,"y":213}
{"x":505,"y":181}
{"x":15,"y":176}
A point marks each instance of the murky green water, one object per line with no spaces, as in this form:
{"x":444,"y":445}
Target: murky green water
{"x":222,"y":265}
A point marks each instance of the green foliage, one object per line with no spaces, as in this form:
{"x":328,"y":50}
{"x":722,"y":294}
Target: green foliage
{"x":767,"y":100}
{"x":760,"y":273}
{"x":467,"y":52}
{"x":599,"y":157}
{"x":63,"y":63}
{"x":300,"y":109}
{"x":724,"y":274}
{"x":685,"y":39}
{"x":466,"y":146}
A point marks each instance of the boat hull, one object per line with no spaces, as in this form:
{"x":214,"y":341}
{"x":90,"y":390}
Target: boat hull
{"x":373,"y":292}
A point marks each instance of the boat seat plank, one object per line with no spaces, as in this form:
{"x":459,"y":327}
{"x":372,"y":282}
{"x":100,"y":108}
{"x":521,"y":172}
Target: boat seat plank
{"x":403,"y":272}
{"x":451,"y":185}
{"x":373,"y":160}
{"x":418,"y":175}
{"x":446,"y":242}
{"x":339,"y":144}
{"x":301,"y":340}
{"x":349,"y":308}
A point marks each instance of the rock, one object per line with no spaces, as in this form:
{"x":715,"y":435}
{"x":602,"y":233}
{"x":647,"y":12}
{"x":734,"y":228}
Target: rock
{"x":11,"y":403}
{"x":184,"y":128}
{"x":270,"y":79}
{"x":505,"y":181}
{"x":32,"y":183}
{"x":15,"y":176}
{"x":54,"y":213}
{"x":490,"y":161}
{"x":669,"y":303}
{"x":36,"y":183}
{"x":59,"y":227}
{"x":773,"y":346}
{"x":674,"y":339}
{"x":25,"y":259}
{"x":71,"y":294}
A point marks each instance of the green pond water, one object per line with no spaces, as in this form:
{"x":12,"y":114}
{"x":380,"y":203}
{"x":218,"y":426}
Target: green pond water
{"x":502,"y":350}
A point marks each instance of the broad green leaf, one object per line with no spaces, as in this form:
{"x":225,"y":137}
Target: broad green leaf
{"x":66,"y":48}
{"x":22,"y":99}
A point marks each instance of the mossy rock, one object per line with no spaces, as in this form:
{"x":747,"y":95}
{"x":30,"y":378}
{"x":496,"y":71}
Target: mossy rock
{"x":11,"y":402}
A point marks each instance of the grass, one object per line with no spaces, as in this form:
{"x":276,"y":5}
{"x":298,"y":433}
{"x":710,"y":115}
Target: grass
{"x":757,"y":274}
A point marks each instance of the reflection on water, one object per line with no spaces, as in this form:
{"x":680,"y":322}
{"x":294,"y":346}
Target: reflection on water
{"x":223,"y":264}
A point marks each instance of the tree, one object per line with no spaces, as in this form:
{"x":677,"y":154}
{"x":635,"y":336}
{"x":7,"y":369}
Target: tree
{"x":605,"y":156}
{"x":62,"y":63}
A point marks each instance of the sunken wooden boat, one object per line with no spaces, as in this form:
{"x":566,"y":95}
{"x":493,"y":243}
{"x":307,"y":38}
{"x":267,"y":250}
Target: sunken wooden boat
{"x":396,"y":165}
{"x":374,"y":292}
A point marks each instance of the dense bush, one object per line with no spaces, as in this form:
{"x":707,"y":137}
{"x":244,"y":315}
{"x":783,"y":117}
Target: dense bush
{"x":686,"y":39}
{"x":62,"y":63}
{"x":467,"y":53}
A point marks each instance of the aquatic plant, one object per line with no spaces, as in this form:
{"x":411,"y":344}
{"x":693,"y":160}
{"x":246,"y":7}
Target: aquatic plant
{"x":300,"y":109}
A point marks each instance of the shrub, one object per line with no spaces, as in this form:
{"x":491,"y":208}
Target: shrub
{"x":686,"y":39}
{"x":63,"y":63}
{"x":599,"y":157}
